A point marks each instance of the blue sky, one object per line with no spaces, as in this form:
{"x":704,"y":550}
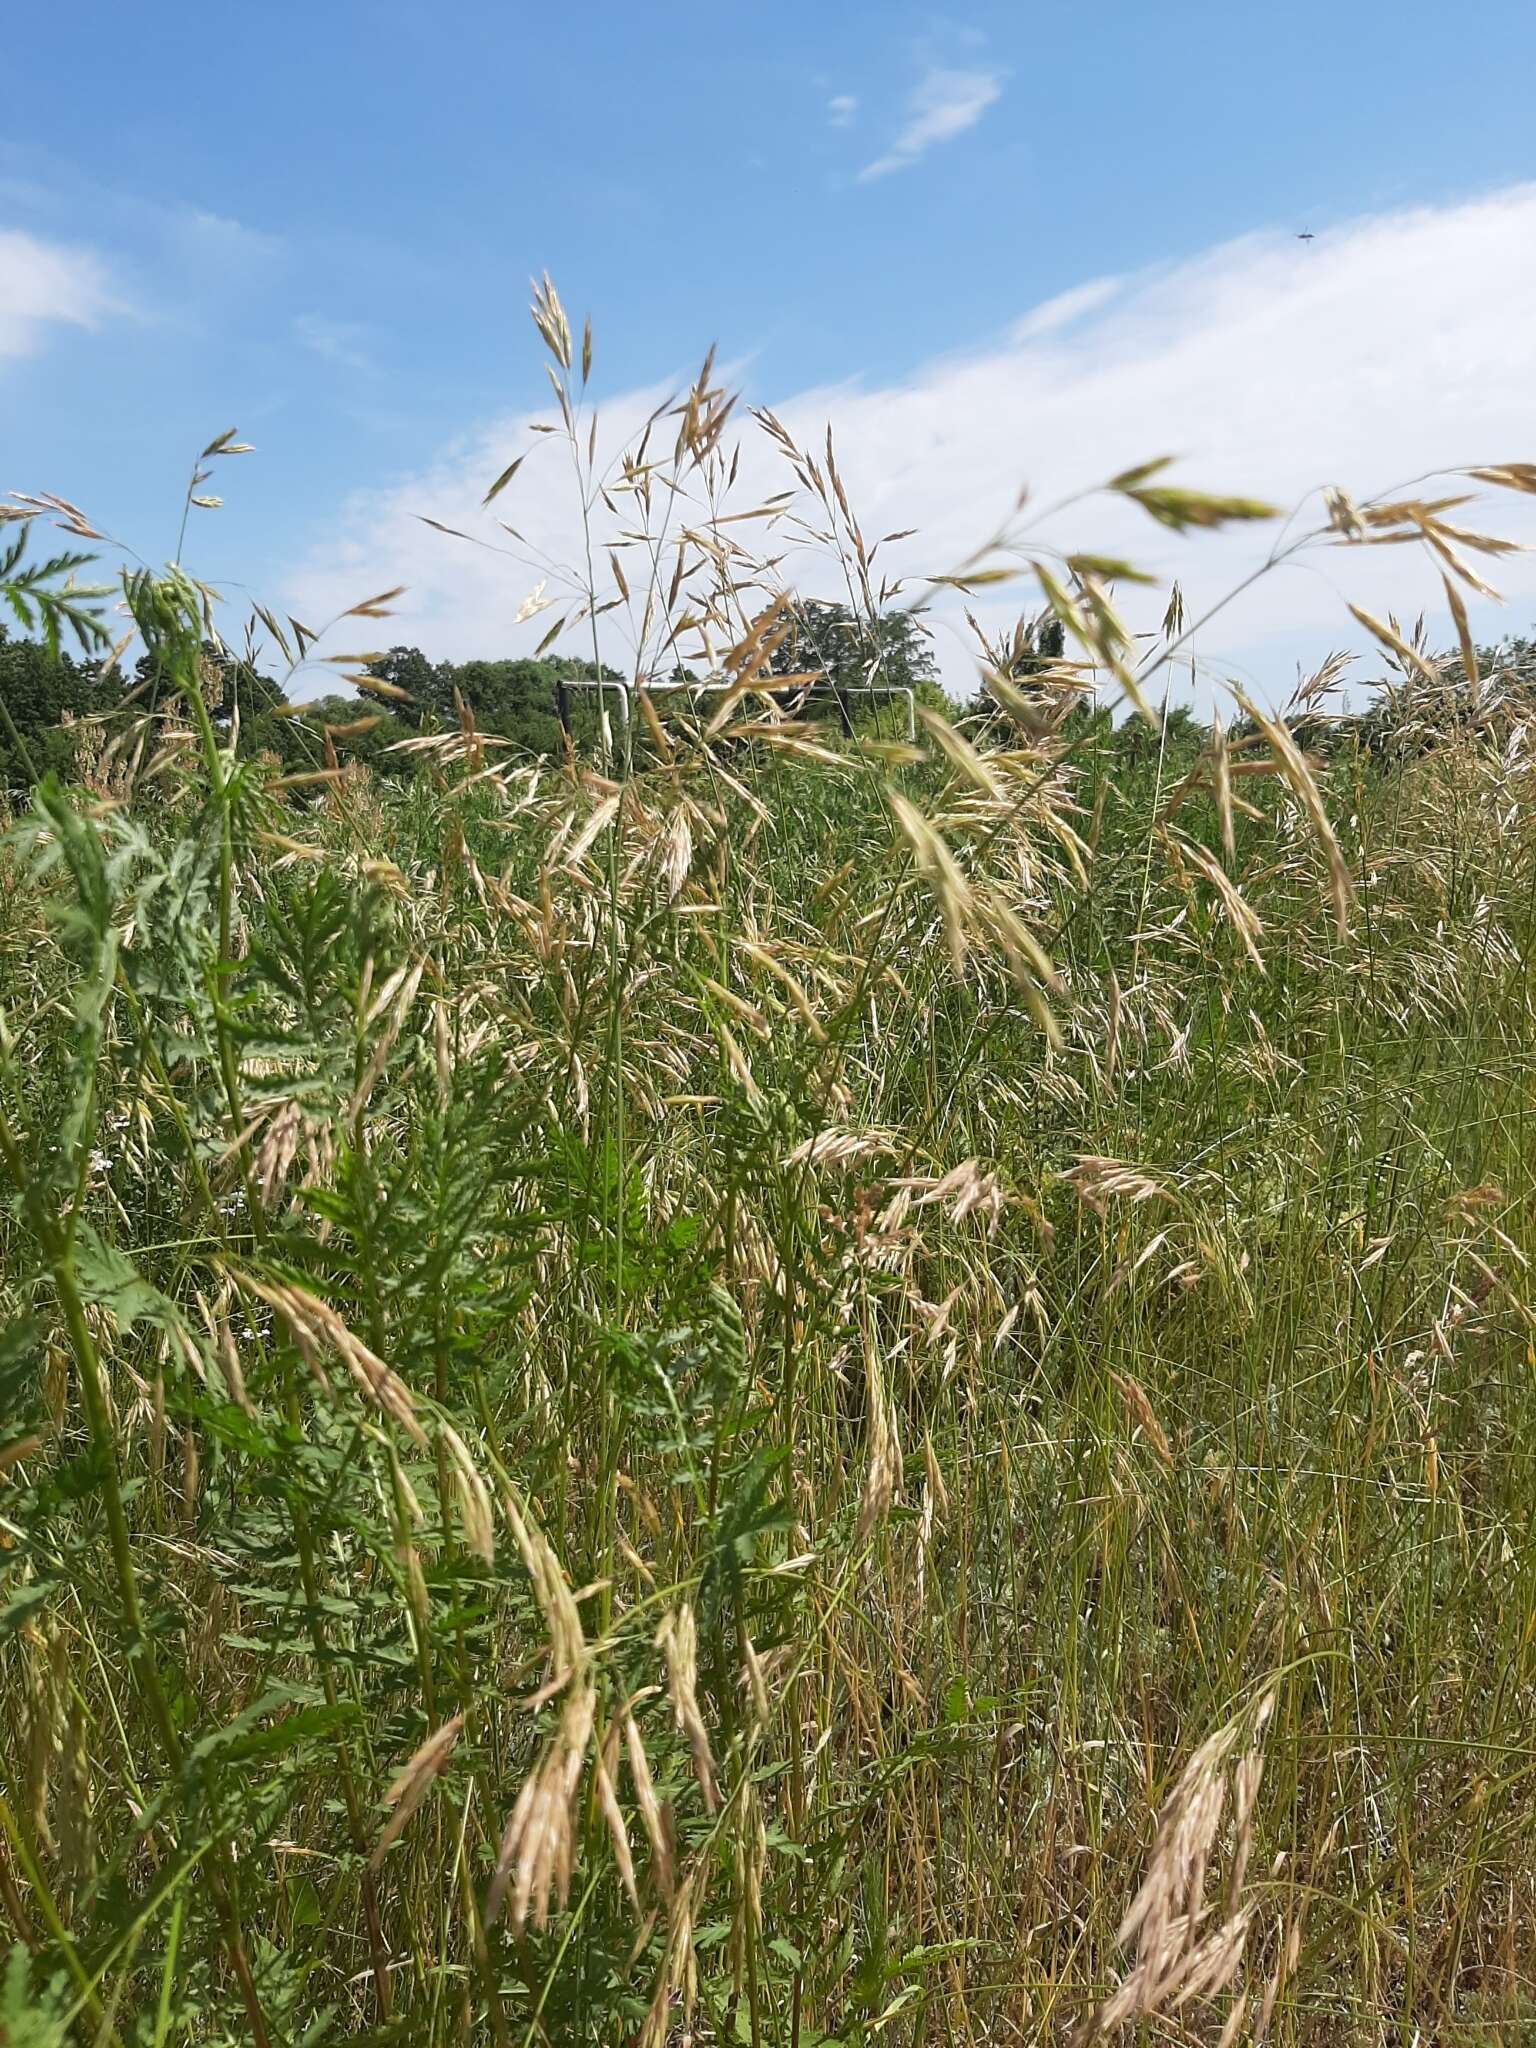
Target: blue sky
{"x":318,"y":223}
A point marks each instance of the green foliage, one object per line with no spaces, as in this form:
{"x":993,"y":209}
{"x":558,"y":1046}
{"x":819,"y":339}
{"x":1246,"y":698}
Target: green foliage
{"x":718,"y":1400}
{"x":29,"y":2017}
{"x":368,"y":1113}
{"x":855,"y":660}
{"x":45,"y":694}
{"x":44,"y":596}
{"x":518,"y":701}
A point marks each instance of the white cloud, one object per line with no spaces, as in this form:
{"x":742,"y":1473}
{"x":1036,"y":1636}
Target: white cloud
{"x":841,"y":109}
{"x":943,"y":105}
{"x":1389,"y":346}
{"x":215,"y":235}
{"x":1066,"y":308}
{"x":336,"y":341}
{"x":44,"y":284}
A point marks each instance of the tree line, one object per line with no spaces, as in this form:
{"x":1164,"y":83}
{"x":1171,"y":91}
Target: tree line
{"x":50,"y":700}
{"x":538,"y":707}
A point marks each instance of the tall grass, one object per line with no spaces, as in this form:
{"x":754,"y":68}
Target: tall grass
{"x":798,"y":1392}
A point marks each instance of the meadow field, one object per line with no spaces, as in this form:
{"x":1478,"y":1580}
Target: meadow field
{"x":767,"y":1384}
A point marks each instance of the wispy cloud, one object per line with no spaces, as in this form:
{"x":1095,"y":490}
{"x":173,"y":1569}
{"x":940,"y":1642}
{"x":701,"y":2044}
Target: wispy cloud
{"x":841,"y":109}
{"x":44,"y":284}
{"x":1269,"y":367}
{"x":1067,"y":308}
{"x":216,"y":235}
{"x":337,"y":341}
{"x":943,"y":105}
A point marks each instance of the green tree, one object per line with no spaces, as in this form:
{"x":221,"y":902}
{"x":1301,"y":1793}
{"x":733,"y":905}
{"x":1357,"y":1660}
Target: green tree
{"x":408,"y":669}
{"x":44,"y":696}
{"x":524,"y":701}
{"x":361,"y":731}
{"x":859,"y":662}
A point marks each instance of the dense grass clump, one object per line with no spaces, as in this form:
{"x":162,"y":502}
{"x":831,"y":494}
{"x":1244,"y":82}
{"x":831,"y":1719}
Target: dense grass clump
{"x":787,"y":1387}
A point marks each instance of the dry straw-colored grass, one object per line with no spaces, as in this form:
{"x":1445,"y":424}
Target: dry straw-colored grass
{"x":934,"y":1427}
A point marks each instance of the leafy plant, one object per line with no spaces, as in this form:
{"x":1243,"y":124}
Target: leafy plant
{"x":737,"y":1393}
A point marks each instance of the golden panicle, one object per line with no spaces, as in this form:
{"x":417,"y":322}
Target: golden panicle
{"x":969,"y":1189}
{"x":538,"y":1845}
{"x":883,"y":1473}
{"x":1176,"y":1959}
{"x":605,"y":1772}
{"x":677,"y":856}
{"x":476,"y":1517}
{"x":1293,"y":766}
{"x":277,"y":1151}
{"x":1138,"y":1404}
{"x":838,"y":1147}
{"x":652,"y":1817}
{"x":1096,"y":1181}
{"x":677,"y":1639}
{"x":414,"y":1781}
{"x":677,"y":1983}
{"x":317,"y":1329}
{"x":549,"y":318}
